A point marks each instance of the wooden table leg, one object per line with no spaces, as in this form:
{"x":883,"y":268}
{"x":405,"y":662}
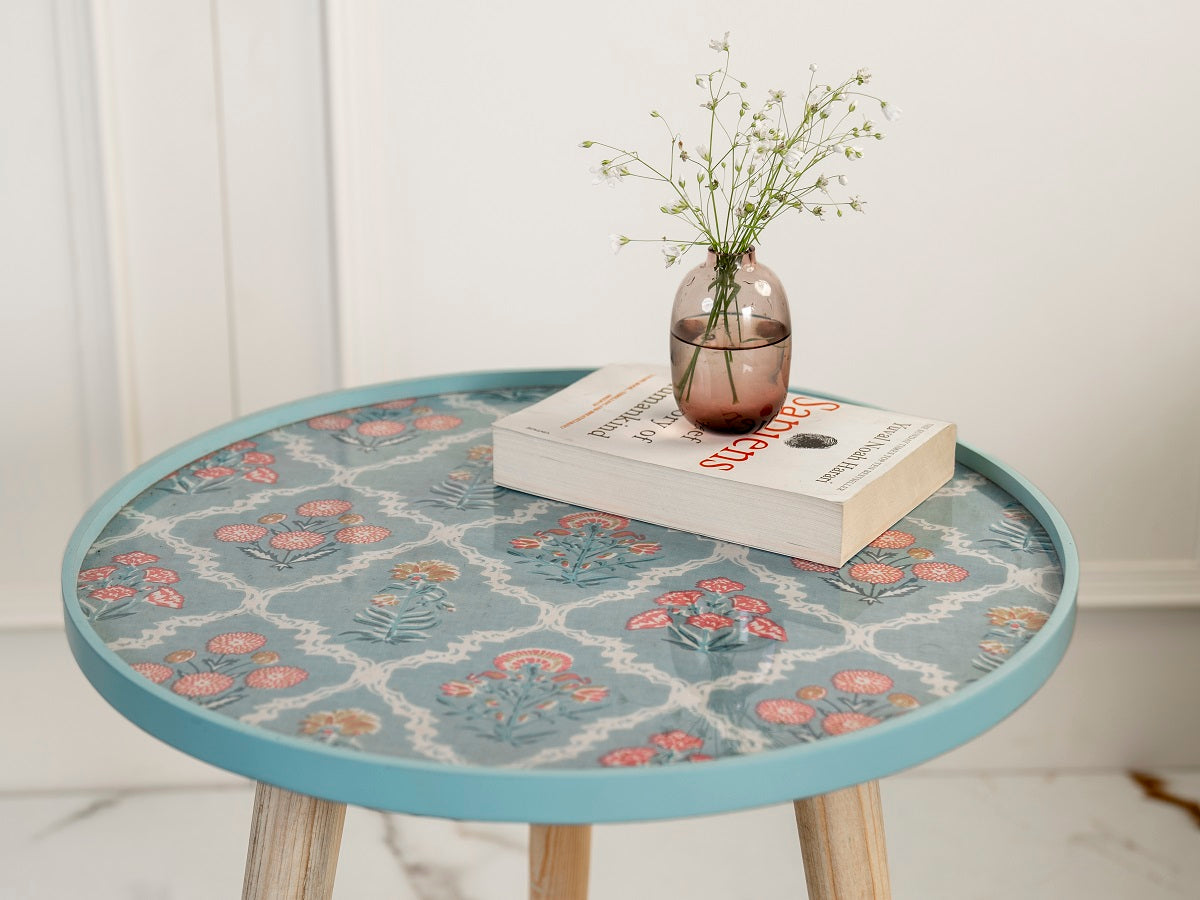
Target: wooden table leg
{"x":294,"y":842}
{"x":559,"y":856}
{"x":841,"y":837}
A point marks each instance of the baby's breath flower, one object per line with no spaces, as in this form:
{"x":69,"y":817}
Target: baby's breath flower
{"x":812,"y":67}
{"x":606,"y":173}
{"x":890,"y":112}
{"x":758,"y":162}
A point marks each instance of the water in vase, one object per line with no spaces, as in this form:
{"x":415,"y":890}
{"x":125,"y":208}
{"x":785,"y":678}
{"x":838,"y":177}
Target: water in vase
{"x":730,"y":380}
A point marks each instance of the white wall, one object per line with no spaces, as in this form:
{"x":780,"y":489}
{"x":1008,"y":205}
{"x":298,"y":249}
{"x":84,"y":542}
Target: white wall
{"x":1025,"y":268}
{"x":166,"y":245}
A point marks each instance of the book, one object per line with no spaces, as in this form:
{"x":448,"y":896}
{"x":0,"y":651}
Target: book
{"x":820,"y":481}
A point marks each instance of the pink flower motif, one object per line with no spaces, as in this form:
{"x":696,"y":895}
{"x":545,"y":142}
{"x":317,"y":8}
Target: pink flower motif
{"x":202,"y":684}
{"x":437,"y":423}
{"x":242,"y":445}
{"x":720,"y":585}
{"x":215,"y":472}
{"x":330,"y":423}
{"x":893,"y":540}
{"x":628,"y":756}
{"x":937,"y":571}
{"x":159,"y":575}
{"x":604,"y":520}
{"x":845,"y":722}
{"x":679,"y":598}
{"x":546,"y":660}
{"x":807,"y":565}
{"x":765,"y":628}
{"x":784,"y":711}
{"x":679,"y":741}
{"x":323,"y":508}
{"x":235,"y":642}
{"x":876,"y":573}
{"x":297,"y":540}
{"x":276,"y":677}
{"x":97,"y":574}
{"x":381,"y":428}
{"x":651,"y":618}
{"x":750,"y":604}
{"x":403,"y":403}
{"x":156,"y":672}
{"x":525,"y":543}
{"x":862,"y":681}
{"x":592,"y":694}
{"x":362,"y":534}
{"x":644,"y":548}
{"x":709,"y":621}
{"x":136,"y":558}
{"x":240,"y":534}
{"x":114,"y":592}
{"x":458,"y":689}
{"x":262,"y":475}
{"x":258,"y":459}
{"x":167,"y":597}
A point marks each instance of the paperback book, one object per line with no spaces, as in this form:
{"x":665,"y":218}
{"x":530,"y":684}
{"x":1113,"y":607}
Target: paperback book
{"x":819,"y":481}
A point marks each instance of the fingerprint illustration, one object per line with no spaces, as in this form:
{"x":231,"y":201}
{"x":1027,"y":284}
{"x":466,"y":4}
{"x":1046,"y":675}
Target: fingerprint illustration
{"x":809,"y":441}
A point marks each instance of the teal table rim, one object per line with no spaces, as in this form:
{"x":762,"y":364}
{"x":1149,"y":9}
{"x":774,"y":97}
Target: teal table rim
{"x":549,"y":796}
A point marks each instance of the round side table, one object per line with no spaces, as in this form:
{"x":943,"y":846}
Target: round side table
{"x":333,"y":598}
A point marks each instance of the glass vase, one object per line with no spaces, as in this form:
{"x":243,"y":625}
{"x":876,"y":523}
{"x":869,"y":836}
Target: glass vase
{"x":731,"y":343}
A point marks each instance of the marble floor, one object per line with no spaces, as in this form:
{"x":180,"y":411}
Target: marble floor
{"x":951,"y":836}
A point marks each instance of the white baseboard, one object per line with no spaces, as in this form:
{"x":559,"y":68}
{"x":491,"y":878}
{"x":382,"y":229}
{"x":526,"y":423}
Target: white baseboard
{"x":1142,"y":584}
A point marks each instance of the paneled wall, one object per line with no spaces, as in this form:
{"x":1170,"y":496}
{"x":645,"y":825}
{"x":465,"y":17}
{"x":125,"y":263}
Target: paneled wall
{"x":167,"y":245}
{"x":211,"y":207}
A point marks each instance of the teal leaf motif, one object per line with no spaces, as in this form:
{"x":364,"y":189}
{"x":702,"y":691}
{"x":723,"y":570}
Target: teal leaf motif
{"x":1021,"y":536}
{"x":317,"y":553}
{"x":470,"y":486}
{"x":586,"y":549}
{"x":525,"y":698}
{"x":409,"y":608}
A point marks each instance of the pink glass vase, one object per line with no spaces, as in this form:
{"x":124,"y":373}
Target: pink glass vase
{"x":731,"y":343}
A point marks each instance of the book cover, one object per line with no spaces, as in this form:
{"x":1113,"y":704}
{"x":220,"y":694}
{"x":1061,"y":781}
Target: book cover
{"x":816,"y":453}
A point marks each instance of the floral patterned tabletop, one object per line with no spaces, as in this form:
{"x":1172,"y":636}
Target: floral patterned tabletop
{"x":355,"y":579}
